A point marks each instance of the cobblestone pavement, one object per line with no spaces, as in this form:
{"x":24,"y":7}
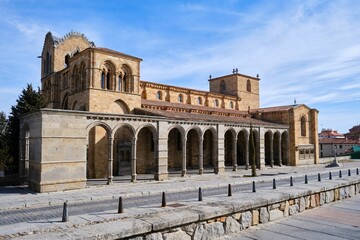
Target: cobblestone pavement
{"x":104,"y":198}
{"x":340,"y":220}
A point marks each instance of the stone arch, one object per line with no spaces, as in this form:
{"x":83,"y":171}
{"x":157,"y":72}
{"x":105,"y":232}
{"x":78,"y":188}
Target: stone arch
{"x":209,"y":148}
{"x":119,"y":107}
{"x":107,"y":75}
{"x":74,"y":106}
{"x":124,"y":135}
{"x":65,"y":102}
{"x":146,"y":149}
{"x":256,"y":149}
{"x":127,"y":78}
{"x":176,"y":148}
{"x":269,"y":148}
{"x":277,"y":148}
{"x":97,"y":150}
{"x":192,"y":147}
{"x":229,"y":139}
{"x":82,"y":74}
{"x":242,"y":147}
{"x":285,"y":148}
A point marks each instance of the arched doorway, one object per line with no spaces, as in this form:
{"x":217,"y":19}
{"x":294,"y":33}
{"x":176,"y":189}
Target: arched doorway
{"x":146,"y":152}
{"x":268,"y":148}
{"x":285,"y":148}
{"x":209,"y":150}
{"x":229,"y":148}
{"x":97,"y":152}
{"x":175,"y":150}
{"x":192,"y":149}
{"x":254,"y":148}
{"x":277,"y":149}
{"x":123,"y":139}
{"x":242,"y":148}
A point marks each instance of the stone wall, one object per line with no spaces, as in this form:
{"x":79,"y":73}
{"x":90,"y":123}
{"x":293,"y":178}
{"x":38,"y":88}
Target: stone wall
{"x":235,"y":221}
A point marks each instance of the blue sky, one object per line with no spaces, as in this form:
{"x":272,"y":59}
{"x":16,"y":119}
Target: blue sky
{"x":308,"y":50}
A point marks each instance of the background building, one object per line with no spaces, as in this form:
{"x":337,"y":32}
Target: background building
{"x":102,"y":121}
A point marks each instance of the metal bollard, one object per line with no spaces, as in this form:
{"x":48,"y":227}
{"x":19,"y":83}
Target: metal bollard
{"x":274,"y":183}
{"x":200,"y":195}
{"x":253,"y":186}
{"x":330,"y":176}
{"x":65,"y":216}
{"x":357,"y":171}
{"x":291,"y":181}
{"x":120,"y":206}
{"x":349,"y":172}
{"x":306,"y":179}
{"x":229,"y":190}
{"x":340,"y":174}
{"x":319,"y":177}
{"x":163,"y":201}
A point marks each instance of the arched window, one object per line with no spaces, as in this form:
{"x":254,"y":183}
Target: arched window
{"x":222,"y":86}
{"x":119,"y":83}
{"x":199,"y":101}
{"x":216,"y":103}
{"x":159,"y":95}
{"x":231,"y":105}
{"x":248,"y":86}
{"x":102,"y":80}
{"x":125,"y":83}
{"x":180,"y":98}
{"x":108,"y":80}
{"x":303,"y":126}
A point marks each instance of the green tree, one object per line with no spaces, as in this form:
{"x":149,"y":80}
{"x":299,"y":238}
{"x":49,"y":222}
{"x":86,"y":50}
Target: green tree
{"x":4,"y":149}
{"x":29,"y":100}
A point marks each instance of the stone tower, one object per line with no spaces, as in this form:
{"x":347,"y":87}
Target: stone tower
{"x":242,"y":86}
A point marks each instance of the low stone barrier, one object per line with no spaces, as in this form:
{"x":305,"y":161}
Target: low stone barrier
{"x":208,"y":219}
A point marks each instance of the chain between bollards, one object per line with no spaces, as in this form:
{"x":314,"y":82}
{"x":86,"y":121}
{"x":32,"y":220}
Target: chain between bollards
{"x":340,"y":174}
{"x":229,"y":190}
{"x":253,"y":187}
{"x":306,"y":179}
{"x":330,"y":176}
{"x":163,"y":200}
{"x":200,"y":195}
{"x":65,"y":216}
{"x":274,"y":183}
{"x":319,"y":177}
{"x":120,"y":206}
{"x":291,"y":181}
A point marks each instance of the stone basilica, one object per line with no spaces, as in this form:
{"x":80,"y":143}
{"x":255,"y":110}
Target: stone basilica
{"x":102,"y":121}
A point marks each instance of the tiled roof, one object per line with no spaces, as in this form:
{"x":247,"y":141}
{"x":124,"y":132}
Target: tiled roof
{"x":203,"y":117}
{"x":338,"y":141}
{"x":164,"y":105}
{"x":274,"y":109}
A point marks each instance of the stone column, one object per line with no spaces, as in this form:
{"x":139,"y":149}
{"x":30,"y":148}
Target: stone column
{"x":272,"y":150}
{"x":110,"y":161}
{"x":201,"y":156}
{"x":133,"y":160}
{"x":280,"y":163}
{"x":234,"y":154}
{"x":247,"y":139}
{"x":183,"y":167}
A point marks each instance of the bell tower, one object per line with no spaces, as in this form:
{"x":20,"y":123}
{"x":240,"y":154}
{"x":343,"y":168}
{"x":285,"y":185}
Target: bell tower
{"x":240,"y":85}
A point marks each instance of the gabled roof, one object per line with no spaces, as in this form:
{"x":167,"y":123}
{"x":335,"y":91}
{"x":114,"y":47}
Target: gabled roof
{"x":107,"y":50}
{"x":284,"y":108}
{"x":184,"y":111}
{"x":338,"y":141}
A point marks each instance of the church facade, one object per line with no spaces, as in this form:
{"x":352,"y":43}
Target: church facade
{"x":102,"y":121}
